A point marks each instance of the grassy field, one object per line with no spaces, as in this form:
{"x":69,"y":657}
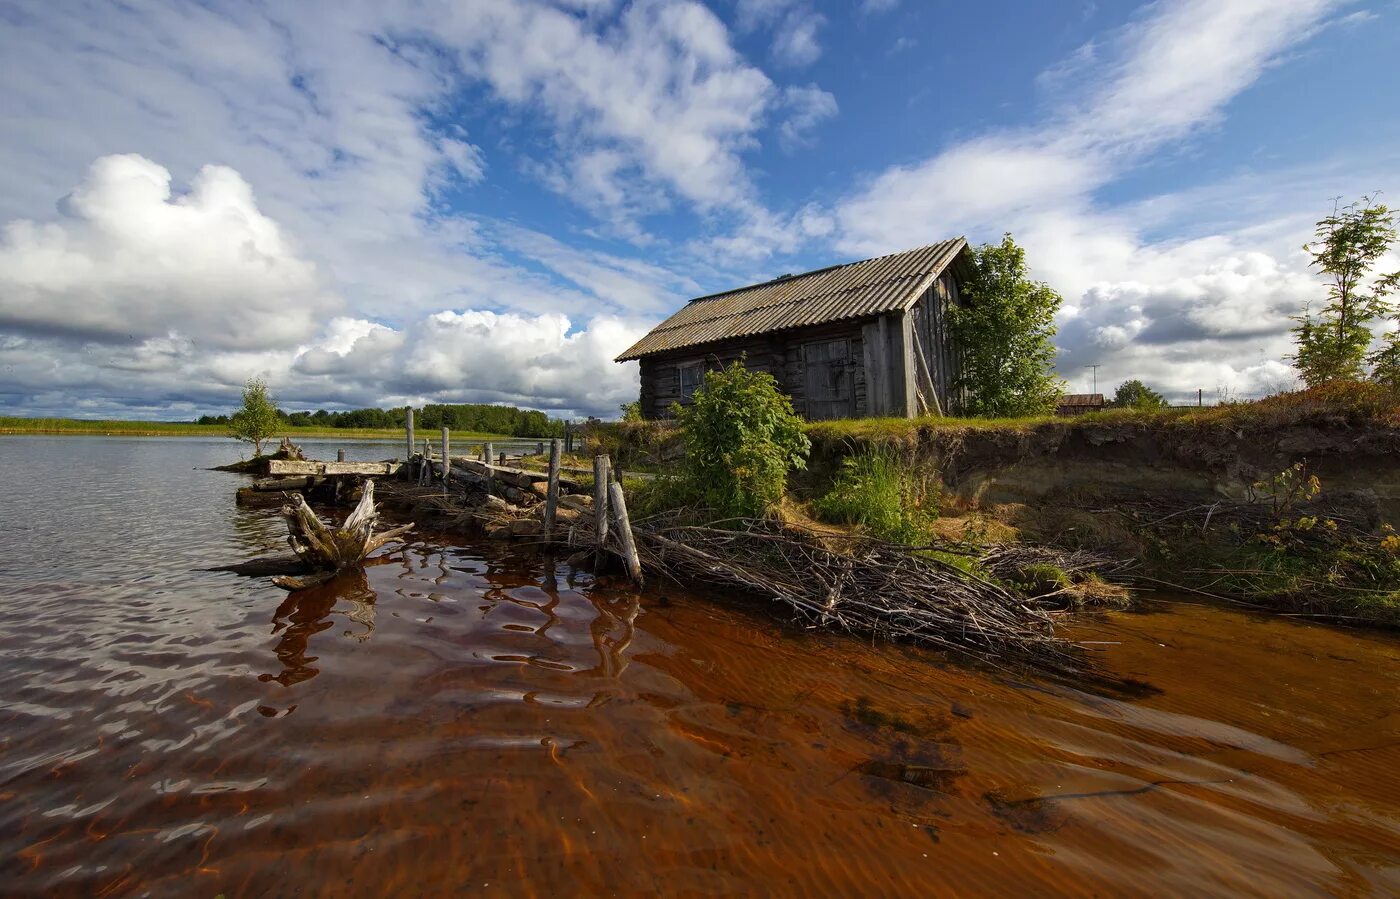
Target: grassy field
{"x":83,"y":427}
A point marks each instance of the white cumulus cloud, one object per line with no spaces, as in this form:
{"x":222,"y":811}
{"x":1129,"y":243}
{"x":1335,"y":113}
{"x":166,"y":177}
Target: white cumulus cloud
{"x":128,"y":260}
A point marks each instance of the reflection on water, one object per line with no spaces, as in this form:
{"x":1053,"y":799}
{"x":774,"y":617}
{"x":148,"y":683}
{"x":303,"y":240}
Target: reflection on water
{"x":470,"y":716}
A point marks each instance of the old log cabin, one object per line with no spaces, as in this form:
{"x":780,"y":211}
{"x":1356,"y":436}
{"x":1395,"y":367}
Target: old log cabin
{"x":859,"y":340}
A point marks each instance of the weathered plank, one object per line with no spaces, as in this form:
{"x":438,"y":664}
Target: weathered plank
{"x":278,"y":484}
{"x":624,"y":532}
{"x":876,"y":374}
{"x":551,"y":497}
{"x":515,"y":477}
{"x":366,"y":469}
{"x":601,"y":467}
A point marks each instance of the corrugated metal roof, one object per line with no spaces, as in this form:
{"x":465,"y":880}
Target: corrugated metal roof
{"x":1082,"y":399}
{"x":853,"y":290}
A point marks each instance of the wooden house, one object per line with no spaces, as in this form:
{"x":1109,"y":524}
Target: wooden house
{"x":1079,"y":403}
{"x":865,"y":339}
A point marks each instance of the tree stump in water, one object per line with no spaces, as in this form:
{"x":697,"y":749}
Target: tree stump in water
{"x":326,"y":550}
{"x":289,"y":450}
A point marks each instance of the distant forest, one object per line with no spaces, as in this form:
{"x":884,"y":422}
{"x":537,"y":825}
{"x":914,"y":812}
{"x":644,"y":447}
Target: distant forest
{"x":459,"y":417}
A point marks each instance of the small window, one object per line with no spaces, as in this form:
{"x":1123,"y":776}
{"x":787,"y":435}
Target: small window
{"x":689,"y":377}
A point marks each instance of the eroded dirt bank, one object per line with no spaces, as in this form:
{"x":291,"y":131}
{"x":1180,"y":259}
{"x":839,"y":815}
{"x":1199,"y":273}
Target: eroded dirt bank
{"x":1184,"y":457}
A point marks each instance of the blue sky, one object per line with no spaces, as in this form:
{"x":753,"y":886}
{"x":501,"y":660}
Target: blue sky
{"x":379,"y":203}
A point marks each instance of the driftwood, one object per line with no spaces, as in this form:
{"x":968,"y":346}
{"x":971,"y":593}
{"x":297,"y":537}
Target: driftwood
{"x":289,"y":450}
{"x":515,"y":477}
{"x":324,"y":550}
{"x":252,"y":497}
{"x":874,"y":588}
{"x":280,"y":484}
{"x":302,"y":467}
{"x":259,"y":464}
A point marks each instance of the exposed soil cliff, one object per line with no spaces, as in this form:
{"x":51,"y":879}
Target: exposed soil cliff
{"x":1350,"y":441}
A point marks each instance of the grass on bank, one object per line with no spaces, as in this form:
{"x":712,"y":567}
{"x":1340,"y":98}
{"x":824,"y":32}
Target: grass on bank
{"x":876,"y":491}
{"x":1352,"y":403}
{"x":115,"y":428}
{"x":1343,"y":402}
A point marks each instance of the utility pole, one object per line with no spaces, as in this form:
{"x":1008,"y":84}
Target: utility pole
{"x":1095,"y":367}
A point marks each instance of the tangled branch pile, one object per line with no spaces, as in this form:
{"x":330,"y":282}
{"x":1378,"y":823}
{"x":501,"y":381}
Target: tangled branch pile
{"x":886,"y":590}
{"x":954,"y":597}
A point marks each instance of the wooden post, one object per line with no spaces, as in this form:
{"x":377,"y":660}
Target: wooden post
{"x":568,"y":436}
{"x":408,"y":424}
{"x":551,"y":497}
{"x":601,"y":464}
{"x":446,"y":464}
{"x":488,"y":456}
{"x":340,"y":455}
{"x":539,"y":448}
{"x":624,"y":532}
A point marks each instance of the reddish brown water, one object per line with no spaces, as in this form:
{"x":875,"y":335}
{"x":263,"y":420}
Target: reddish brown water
{"x":467,"y":718}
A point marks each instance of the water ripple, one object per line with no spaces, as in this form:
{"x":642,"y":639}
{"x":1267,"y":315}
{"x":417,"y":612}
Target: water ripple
{"x":464,"y":714}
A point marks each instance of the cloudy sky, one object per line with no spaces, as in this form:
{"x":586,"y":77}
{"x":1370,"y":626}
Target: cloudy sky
{"x":375,"y":203}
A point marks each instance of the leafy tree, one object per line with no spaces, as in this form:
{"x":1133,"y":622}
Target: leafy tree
{"x":1136,"y":395}
{"x":741,"y":438}
{"x":1385,"y":362}
{"x":534,"y":423}
{"x":1332,"y":345}
{"x":1004,"y":332}
{"x":258,"y":419}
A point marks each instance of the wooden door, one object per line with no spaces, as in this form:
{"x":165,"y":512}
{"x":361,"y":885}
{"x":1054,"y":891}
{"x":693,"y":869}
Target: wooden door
{"x":830,"y":393}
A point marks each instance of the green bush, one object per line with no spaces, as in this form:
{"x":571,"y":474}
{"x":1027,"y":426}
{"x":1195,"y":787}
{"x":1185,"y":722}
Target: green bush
{"x":741,"y":438}
{"x":258,"y":419}
{"x":874,"y":490}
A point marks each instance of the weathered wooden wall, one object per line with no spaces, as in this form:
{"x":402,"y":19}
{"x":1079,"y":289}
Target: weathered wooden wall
{"x":901,"y":364}
{"x":778,"y":354}
{"x":937,"y":362}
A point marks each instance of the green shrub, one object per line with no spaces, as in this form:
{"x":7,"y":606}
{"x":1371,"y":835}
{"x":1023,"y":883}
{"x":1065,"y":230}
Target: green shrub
{"x":741,"y":438}
{"x":874,"y":490}
{"x":258,"y":419}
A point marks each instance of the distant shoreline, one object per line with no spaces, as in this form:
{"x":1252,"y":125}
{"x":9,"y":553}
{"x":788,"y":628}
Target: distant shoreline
{"x":75,"y":427}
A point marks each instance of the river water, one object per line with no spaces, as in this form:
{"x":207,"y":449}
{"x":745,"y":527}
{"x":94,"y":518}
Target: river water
{"x":470,"y":717}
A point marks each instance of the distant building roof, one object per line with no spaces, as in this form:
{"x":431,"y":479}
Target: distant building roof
{"x":1081,"y":399}
{"x":853,"y":290}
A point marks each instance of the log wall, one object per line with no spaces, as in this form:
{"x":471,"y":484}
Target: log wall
{"x":902,"y":364}
{"x":780,"y":355}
